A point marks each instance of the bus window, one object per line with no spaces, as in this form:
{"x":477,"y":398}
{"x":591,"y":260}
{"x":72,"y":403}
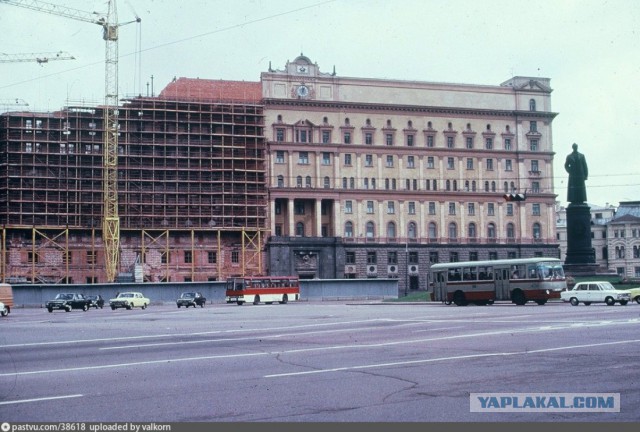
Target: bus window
{"x":485,"y":273}
{"x":470,"y":273}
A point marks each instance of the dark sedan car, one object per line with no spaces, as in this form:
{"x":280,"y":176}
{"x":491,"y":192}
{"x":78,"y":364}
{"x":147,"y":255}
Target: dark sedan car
{"x":96,"y":301}
{"x":68,"y":301}
{"x":191,"y":299}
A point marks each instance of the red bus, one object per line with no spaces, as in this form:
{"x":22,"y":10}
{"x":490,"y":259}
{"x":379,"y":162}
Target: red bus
{"x":483,"y":282}
{"x":262,"y":289}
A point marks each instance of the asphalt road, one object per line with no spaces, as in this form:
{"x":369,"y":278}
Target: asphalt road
{"x":313,"y":362}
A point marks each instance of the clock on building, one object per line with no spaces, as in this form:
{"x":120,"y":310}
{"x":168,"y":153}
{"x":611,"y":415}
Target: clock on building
{"x":303,"y":91}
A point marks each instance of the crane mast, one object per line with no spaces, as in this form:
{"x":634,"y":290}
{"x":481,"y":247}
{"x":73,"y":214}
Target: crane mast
{"x":110,"y":26}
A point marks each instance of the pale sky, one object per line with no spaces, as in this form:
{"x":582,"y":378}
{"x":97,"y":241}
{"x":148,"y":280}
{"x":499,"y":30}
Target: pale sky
{"x":590,"y":49}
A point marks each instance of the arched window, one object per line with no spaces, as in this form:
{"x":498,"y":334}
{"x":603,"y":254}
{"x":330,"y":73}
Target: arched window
{"x":506,"y":187}
{"x":371,"y":230}
{"x":435,"y":185}
{"x":299,"y":181}
{"x":391,"y":230}
{"x":486,"y":186}
{"x":453,"y":230}
{"x":412,"y":231}
{"x":344,"y":182}
{"x":373,"y":183}
{"x":513,"y":187}
{"x":471,"y":231}
{"x":511,"y":231}
{"x":537,"y":231}
{"x":455,"y":185}
{"x":348,"y":229}
{"x":491,"y":231}
{"x":327,"y":182}
{"x":308,"y":181}
{"x":473,"y":186}
{"x":280,"y":181}
{"x":532,"y":104}
{"x":347,"y":121}
{"x":279,"y":118}
{"x":300,"y":229}
{"x":493,"y":186}
{"x":429,"y":125}
{"x":448,"y":185}
{"x":433,"y":230}
{"x":352,"y":183}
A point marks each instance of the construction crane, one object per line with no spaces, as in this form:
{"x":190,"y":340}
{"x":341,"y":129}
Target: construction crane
{"x":40,"y":58}
{"x":11,"y":103}
{"x":110,"y":26}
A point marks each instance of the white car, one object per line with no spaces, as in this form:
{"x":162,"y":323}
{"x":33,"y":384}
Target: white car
{"x":4,"y":311}
{"x":595,"y":292}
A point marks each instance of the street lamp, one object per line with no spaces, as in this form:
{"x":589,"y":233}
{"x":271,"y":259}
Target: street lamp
{"x":406,"y":260}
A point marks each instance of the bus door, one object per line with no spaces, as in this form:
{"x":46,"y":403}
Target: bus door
{"x":502,"y":284}
{"x":440,"y":285}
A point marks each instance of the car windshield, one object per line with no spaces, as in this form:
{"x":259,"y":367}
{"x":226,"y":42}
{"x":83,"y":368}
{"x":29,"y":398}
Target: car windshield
{"x":188,"y":295}
{"x":607,"y":286}
{"x":64,"y":297}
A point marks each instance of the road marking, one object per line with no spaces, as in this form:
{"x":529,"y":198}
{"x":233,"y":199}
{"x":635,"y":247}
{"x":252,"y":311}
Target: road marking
{"x":432,"y":360}
{"x":40,"y":399}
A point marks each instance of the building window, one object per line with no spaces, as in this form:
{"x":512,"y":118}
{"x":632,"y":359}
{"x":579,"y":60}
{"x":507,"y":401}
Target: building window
{"x":279,"y":157}
{"x":368,"y":138}
{"x":532,"y":104}
{"x":535,"y":209}
{"x":280,"y":181}
{"x":307,"y":181}
{"x":303,"y":158}
{"x":507,"y":165}
{"x":411,"y":162}
{"x":348,"y":206}
{"x":450,"y":163}
{"x":537,"y":231}
{"x":454,"y":257}
{"x":391,"y":230}
{"x":430,"y":162}
{"x":91,"y":257}
{"x":370,"y":230}
{"x":511,"y":231}
{"x":469,"y":142}
{"x":410,"y":140}
{"x":534,"y":166}
{"x":493,"y":256}
{"x":368,"y":160}
{"x":412,"y":230}
{"x":389,"y":161}
{"x":347,"y":137}
{"x":372,"y":258}
{"x":491,"y":231}
{"x":280,"y":135}
{"x":432,"y":208}
{"x":326,"y":158}
{"x":491,"y":211}
{"x":348,"y":230}
{"x":299,"y":207}
{"x":188,"y":257}
{"x":165,"y":258}
{"x":347,"y":159}
{"x":535,"y":187}
{"x":303,"y":136}
{"x":326,"y":136}
{"x":350,"y":257}
{"x":507,"y":143}
{"x":533,"y":126}
{"x":370,"y":207}
{"x":430,"y":141}
{"x":412,"y":208}
{"x":489,"y":164}
{"x":453,"y":231}
{"x":432,"y":231}
{"x":391,"y":207}
{"x":452,"y":208}
{"x":300,"y":229}
{"x":327,"y":182}
{"x":469,"y":163}
{"x":299,"y":181}
{"x":472,"y":232}
{"x":471,"y":209}
{"x":433,"y":258}
{"x":509,"y":209}
{"x":389,"y":139}
{"x":450,"y":142}
{"x":489,"y":143}
{"x":278,"y":207}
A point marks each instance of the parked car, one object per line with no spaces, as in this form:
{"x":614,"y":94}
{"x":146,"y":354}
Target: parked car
{"x":4,"y":311}
{"x":129,"y":300}
{"x":595,"y":292}
{"x":96,"y":301}
{"x":194,"y":299}
{"x":68,"y":301}
{"x":634,"y":293}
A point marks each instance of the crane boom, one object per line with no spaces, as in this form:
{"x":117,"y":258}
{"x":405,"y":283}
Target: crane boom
{"x":35,"y":57}
{"x":109,"y":23}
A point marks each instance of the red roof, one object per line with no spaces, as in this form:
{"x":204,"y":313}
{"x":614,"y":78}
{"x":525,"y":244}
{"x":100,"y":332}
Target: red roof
{"x":206,"y":90}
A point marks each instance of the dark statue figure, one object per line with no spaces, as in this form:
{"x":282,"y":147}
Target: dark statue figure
{"x":576,"y":166}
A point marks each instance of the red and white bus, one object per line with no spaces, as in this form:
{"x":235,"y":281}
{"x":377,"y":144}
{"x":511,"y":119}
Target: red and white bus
{"x":262,"y":289}
{"x":483,"y":282}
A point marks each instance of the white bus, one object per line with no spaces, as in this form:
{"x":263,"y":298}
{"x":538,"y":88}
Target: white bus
{"x":483,"y":282}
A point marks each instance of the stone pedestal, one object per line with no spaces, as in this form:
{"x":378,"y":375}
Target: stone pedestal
{"x":581,"y":257}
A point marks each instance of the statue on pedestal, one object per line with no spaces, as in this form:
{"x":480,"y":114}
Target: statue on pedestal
{"x":576,"y":166}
